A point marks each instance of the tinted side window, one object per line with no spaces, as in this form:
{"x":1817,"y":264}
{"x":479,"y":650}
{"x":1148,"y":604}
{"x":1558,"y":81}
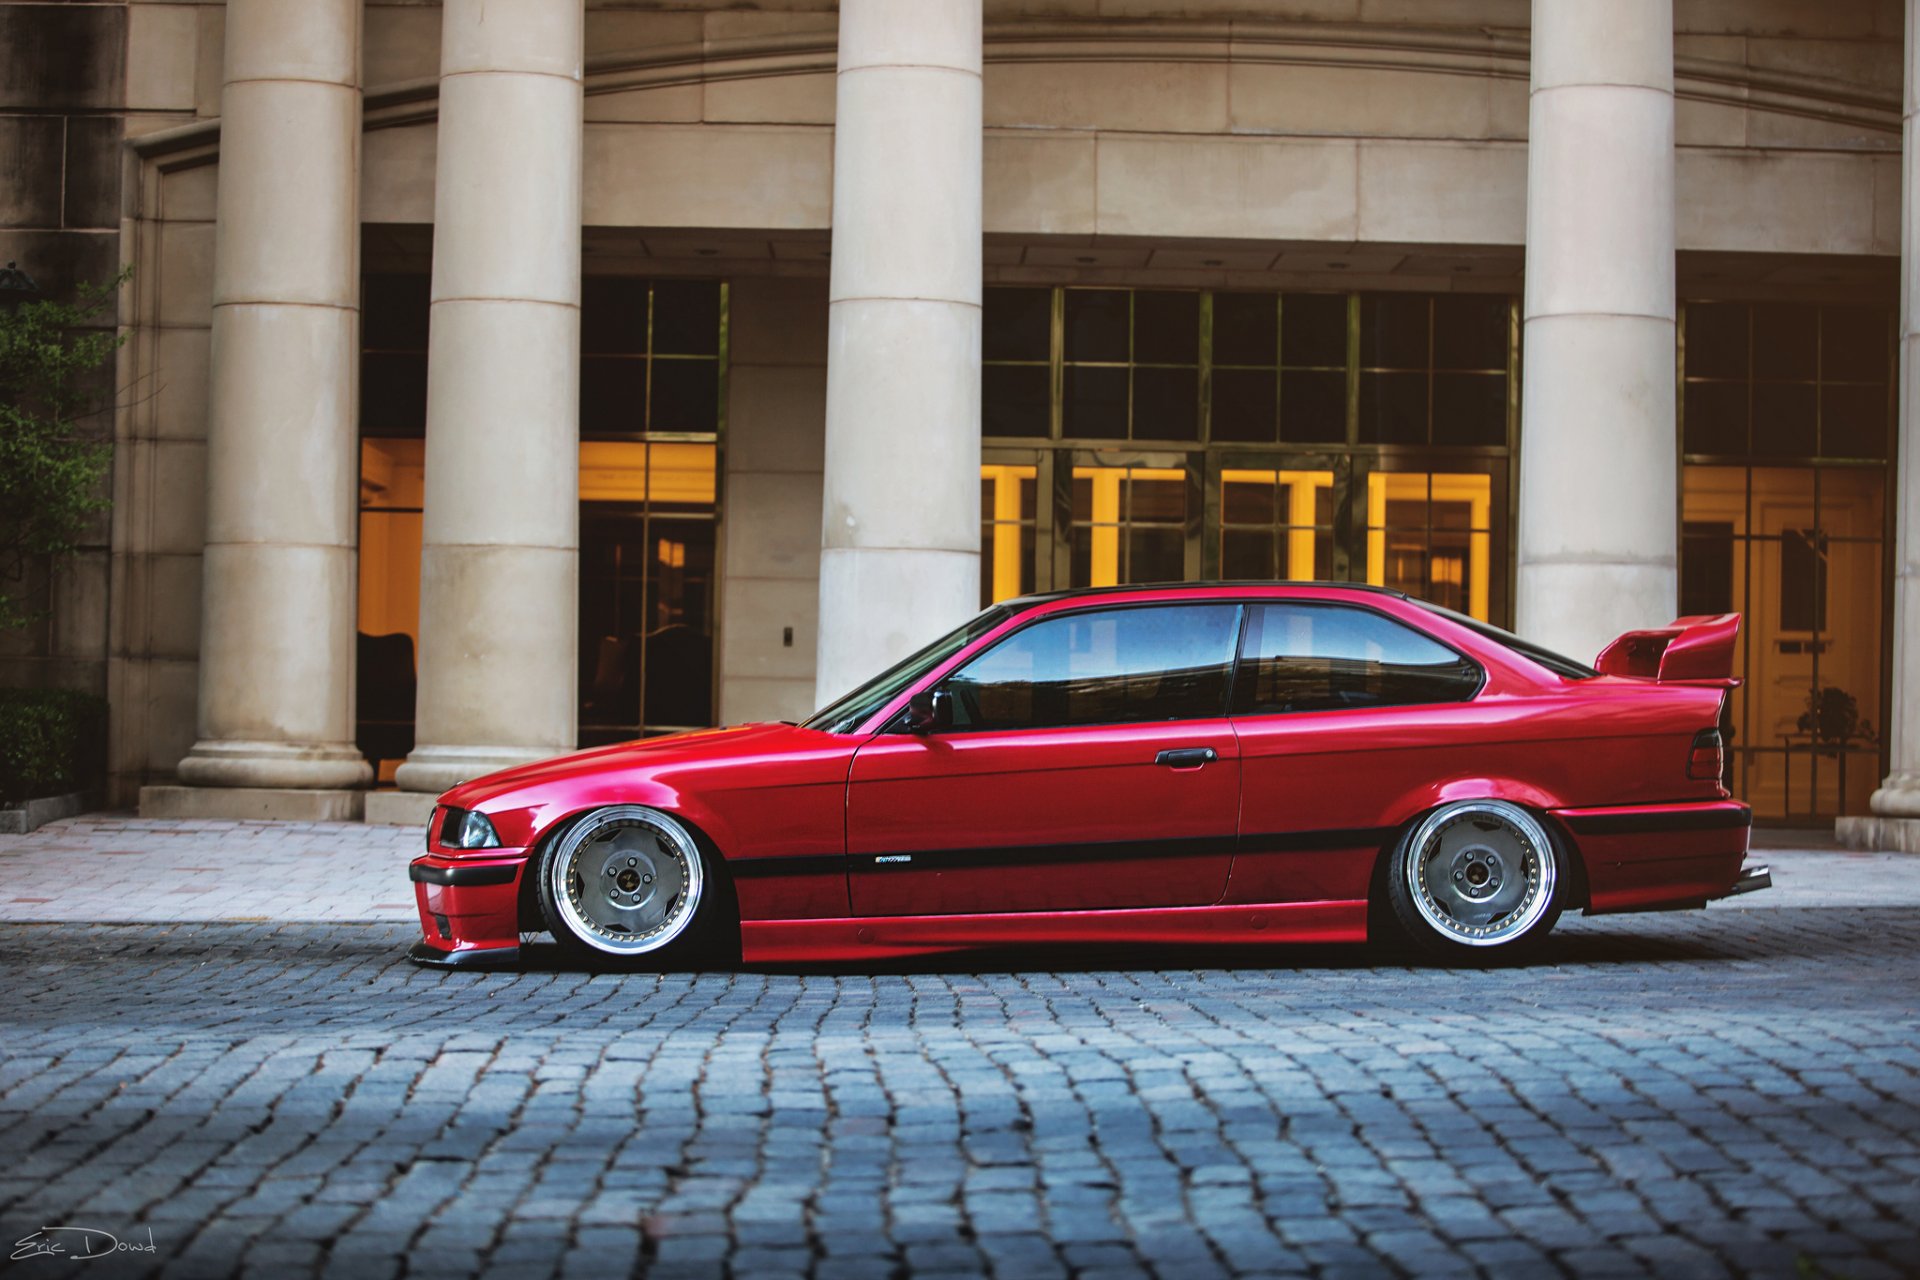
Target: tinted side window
{"x":1102,"y":666}
{"x":1325,"y":657}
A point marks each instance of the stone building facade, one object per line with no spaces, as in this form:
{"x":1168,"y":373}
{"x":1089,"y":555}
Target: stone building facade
{"x":504,"y":377}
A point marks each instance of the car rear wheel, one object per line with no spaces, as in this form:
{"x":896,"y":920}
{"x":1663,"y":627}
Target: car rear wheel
{"x":630,"y":884}
{"x":1476,"y":878}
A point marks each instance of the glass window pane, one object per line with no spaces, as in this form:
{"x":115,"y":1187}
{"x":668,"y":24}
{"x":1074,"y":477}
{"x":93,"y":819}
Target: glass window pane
{"x":1246,"y":328}
{"x":1327,"y":657}
{"x":686,"y":396}
{"x":1783,"y":419}
{"x":1017,"y":324}
{"x":1313,"y":407}
{"x":1096,"y":403}
{"x":1706,"y":567}
{"x":393,"y":393}
{"x":1096,"y":324}
{"x":1853,"y":343}
{"x":1243,"y":404}
{"x":1854,"y":421}
{"x":1785,"y":341}
{"x":686,"y":317}
{"x":1103,"y":666}
{"x":1166,"y":404}
{"x":394,"y":310}
{"x":1313,"y":330}
{"x":1470,"y":332}
{"x":613,"y":315}
{"x":1251,"y":554}
{"x":613,"y":395}
{"x":1470,"y":408}
{"x":1249,"y":497}
{"x":1716,"y":340}
{"x":1393,"y":331}
{"x":1014,"y":400}
{"x":1156,"y":554}
{"x":1393,"y":408}
{"x":1716,"y":417}
{"x":1166,"y":326}
{"x":1156,"y":495}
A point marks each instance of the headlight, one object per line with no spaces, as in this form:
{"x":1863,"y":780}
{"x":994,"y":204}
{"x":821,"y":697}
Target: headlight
{"x":465,"y":829}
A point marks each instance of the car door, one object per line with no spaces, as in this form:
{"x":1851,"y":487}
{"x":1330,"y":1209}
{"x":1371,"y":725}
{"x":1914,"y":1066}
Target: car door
{"x":1341,"y":711}
{"x":1090,"y":765}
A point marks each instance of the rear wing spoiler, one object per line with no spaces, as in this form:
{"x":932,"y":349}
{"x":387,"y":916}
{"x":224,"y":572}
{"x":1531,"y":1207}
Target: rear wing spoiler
{"x":1699,"y":648}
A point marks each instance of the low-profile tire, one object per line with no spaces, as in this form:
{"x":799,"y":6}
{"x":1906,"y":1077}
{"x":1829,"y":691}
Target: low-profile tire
{"x":1477,"y":880}
{"x":630,"y":886}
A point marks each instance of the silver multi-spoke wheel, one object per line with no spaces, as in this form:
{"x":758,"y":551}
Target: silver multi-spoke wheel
{"x":626,"y":880}
{"x":1478,"y":873}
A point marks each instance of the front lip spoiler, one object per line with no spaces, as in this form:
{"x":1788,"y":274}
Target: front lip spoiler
{"x":470,"y":958}
{"x":463,"y":877}
{"x":1753,"y":878}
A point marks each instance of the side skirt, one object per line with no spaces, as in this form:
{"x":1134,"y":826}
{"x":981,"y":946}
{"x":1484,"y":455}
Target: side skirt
{"x":871,"y":937}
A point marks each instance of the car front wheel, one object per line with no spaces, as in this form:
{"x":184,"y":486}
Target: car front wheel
{"x":632,"y":884}
{"x":1476,"y":878}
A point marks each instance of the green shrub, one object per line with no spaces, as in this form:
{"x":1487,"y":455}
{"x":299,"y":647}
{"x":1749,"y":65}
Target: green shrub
{"x":51,"y":741}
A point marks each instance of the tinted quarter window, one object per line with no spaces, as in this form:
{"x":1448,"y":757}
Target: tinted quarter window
{"x":1102,"y":666}
{"x":1300,"y":657}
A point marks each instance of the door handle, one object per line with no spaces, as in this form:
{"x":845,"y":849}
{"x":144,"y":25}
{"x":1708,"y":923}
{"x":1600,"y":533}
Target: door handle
{"x":1186,"y":757}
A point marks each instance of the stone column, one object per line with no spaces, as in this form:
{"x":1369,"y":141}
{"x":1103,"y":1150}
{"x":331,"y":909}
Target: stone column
{"x":277,"y":609}
{"x":1895,"y":821}
{"x":900,"y":537}
{"x":1598,"y":541}
{"x":499,"y":567}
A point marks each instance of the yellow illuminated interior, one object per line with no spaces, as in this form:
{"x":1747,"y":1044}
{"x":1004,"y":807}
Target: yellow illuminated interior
{"x":634,"y":471}
{"x":1105,"y":542}
{"x":391,"y":490}
{"x":1413,"y":486}
{"x":1303,"y":489}
{"x":1003,"y":555}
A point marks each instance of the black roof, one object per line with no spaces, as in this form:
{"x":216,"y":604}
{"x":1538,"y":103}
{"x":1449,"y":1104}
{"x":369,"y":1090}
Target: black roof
{"x":1045,"y":597}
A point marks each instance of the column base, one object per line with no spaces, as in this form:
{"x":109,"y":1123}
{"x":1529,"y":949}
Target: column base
{"x":399,"y":808}
{"x":1878,"y":833}
{"x":252,"y":804}
{"x":301,"y":766}
{"x":434,"y":769}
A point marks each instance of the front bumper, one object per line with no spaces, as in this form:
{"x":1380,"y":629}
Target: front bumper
{"x":469,"y":908}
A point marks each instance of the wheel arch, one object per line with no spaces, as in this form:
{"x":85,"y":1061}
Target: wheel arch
{"x":1418,"y":804}
{"x":528,"y":905}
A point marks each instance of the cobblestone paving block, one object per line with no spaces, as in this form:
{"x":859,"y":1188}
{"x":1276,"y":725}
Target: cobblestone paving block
{"x":1728,"y":1093}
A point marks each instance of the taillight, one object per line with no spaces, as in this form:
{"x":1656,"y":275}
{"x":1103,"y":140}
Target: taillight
{"x":1707,"y":761}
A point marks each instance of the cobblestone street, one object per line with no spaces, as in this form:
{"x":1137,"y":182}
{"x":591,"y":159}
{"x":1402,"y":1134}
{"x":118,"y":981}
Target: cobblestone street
{"x":1720,"y":1093}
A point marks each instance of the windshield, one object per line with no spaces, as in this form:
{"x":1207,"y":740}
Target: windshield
{"x":1559,"y":664}
{"x":847,"y":713}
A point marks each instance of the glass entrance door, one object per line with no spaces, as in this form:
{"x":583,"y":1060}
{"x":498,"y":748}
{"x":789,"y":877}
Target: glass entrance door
{"x":1434,"y":528}
{"x":1278,"y":516}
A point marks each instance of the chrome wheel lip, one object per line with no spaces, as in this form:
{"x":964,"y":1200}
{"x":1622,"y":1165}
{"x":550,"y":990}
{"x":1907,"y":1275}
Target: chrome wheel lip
{"x":1537,"y":865}
{"x":566,"y":872}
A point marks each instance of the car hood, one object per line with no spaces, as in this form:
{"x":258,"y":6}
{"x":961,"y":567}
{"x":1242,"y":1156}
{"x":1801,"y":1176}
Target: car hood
{"x":742,"y":743}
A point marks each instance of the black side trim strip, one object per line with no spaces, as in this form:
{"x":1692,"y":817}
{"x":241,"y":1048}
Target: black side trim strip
{"x":1042,"y":854}
{"x":463,"y":877}
{"x":1037,"y":854}
{"x":1620,"y":824}
{"x":1309,"y":841}
{"x":809,"y":864}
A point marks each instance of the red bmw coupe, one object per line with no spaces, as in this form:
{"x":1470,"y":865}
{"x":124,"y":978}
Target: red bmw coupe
{"x":1197,"y":763}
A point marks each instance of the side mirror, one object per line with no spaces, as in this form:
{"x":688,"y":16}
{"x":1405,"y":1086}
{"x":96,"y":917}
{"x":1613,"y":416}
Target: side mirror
{"x":929,"y":711}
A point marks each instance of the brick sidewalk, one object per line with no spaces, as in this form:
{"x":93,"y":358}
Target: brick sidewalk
{"x":116,"y":868}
